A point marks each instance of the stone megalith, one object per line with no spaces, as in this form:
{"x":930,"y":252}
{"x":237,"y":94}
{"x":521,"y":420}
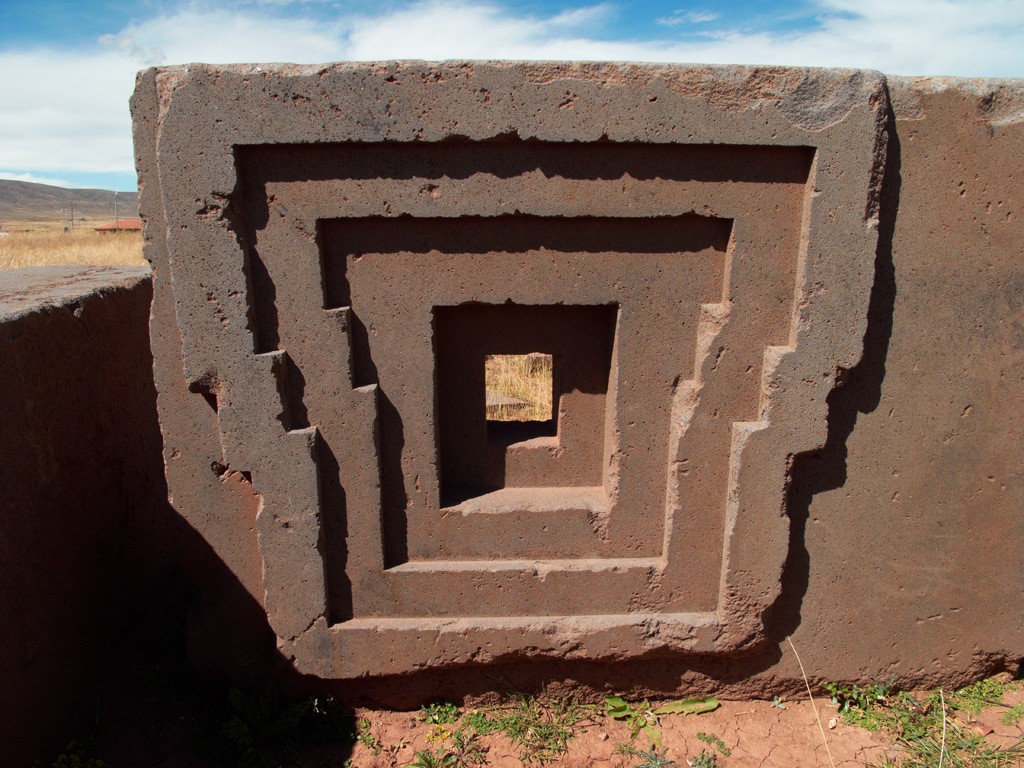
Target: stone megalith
{"x":337,"y":249}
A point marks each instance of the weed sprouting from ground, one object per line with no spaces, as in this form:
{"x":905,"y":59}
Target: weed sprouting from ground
{"x":482,"y":721}
{"x":1014,"y":715}
{"x":644,"y":716}
{"x":540,"y":728}
{"x":977,"y":696}
{"x":464,"y":751}
{"x":928,"y":728}
{"x":77,"y":755}
{"x":860,"y":706}
{"x":704,"y":760}
{"x":440,"y":713}
{"x":652,"y":758}
{"x":366,"y":738}
{"x":712,"y":740}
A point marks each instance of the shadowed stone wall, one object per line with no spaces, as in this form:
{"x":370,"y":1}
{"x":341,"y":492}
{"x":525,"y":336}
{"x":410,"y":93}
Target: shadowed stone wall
{"x":79,"y":467}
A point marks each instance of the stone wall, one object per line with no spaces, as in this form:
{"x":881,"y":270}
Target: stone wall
{"x":79,"y":465}
{"x":784,"y":310}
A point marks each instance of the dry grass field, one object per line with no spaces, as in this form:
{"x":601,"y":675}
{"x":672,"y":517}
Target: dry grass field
{"x":526,"y":378}
{"x":52,"y":246}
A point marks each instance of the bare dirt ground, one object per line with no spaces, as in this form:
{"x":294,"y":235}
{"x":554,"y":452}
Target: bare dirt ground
{"x":755,"y":734}
{"x":748,"y":734}
{"x":135,"y":725}
{"x":152,"y":712}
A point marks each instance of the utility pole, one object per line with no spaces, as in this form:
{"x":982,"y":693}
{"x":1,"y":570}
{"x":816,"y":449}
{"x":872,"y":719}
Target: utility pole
{"x":117,"y":225}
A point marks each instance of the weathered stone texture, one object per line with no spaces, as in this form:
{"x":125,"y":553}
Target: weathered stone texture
{"x":694,"y":246}
{"x":785,"y":317}
{"x":78,"y":439}
{"x":913,"y":536}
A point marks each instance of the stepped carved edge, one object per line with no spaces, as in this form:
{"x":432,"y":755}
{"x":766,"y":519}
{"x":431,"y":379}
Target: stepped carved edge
{"x":189,"y":120}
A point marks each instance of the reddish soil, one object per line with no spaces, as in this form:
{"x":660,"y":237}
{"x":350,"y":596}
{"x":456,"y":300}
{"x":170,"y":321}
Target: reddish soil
{"x":990,"y":725}
{"x":757,"y":734}
{"x":138,"y":730}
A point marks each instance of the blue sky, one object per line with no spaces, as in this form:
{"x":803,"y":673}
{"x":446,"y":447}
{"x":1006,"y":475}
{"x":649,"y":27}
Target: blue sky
{"x":67,"y":68}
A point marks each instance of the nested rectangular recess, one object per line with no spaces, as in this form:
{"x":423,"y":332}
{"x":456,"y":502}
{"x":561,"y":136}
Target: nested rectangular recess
{"x":385,"y":267}
{"x":450,"y":202}
{"x":477,"y":456}
{"x":367,"y":199}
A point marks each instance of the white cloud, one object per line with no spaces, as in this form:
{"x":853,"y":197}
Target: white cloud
{"x":676,"y":18}
{"x":144,"y":57}
{"x":226,"y":36}
{"x":282,"y":3}
{"x":71,"y":112}
{"x":581,"y":18}
{"x":961,"y":37}
{"x":65,"y":111}
{"x":35,"y":179}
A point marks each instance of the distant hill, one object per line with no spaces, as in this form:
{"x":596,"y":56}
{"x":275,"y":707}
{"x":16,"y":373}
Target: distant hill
{"x":25,"y":202}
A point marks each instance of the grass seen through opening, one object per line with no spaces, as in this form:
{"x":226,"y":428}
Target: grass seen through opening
{"x":518,"y":387}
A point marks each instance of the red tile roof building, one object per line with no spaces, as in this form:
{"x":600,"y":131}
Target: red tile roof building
{"x":121,"y":225}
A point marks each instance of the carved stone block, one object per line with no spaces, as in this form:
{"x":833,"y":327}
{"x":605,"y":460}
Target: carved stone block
{"x":342,"y":247}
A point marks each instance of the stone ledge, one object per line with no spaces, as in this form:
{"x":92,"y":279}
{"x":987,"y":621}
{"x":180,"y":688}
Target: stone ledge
{"x":31,"y":289}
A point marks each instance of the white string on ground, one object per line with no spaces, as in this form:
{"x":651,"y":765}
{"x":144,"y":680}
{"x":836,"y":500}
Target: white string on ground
{"x":813,"y":705}
{"x":942,"y":749}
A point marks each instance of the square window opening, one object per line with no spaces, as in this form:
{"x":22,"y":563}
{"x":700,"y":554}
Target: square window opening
{"x":551,"y":367}
{"x":519,"y":387}
{"x":519,"y":392}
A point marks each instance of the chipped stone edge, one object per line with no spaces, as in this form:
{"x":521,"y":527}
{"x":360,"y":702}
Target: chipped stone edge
{"x":28,"y":290}
{"x":1000,"y":101}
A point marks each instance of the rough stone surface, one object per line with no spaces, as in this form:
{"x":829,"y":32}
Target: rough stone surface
{"x":336,"y":248}
{"x":913,"y":516}
{"x":78,"y":439}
